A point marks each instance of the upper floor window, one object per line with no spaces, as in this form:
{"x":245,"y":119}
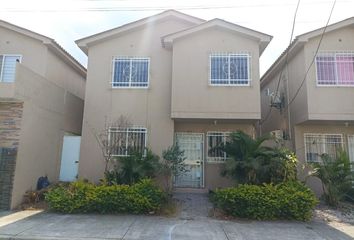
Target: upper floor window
{"x":8,"y":67}
{"x":318,"y":144}
{"x":335,"y":69}
{"x":215,"y":141}
{"x":130,"y":72}
{"x":124,"y":141}
{"x":230,"y":69}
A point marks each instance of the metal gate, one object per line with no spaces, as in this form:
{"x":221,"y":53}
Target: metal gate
{"x":192,"y":144}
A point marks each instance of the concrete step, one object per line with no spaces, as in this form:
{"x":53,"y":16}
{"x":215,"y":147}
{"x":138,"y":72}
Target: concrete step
{"x":191,"y":190}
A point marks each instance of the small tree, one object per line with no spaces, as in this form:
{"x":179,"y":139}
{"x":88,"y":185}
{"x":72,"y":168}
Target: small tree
{"x":172,"y":164}
{"x":110,"y":145}
{"x":336,"y":177}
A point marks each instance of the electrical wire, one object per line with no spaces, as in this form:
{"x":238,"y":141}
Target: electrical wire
{"x":286,"y":62}
{"x":314,"y":57}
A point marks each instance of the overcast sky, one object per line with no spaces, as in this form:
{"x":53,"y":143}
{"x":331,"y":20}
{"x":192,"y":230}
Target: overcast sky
{"x":69,"y":20}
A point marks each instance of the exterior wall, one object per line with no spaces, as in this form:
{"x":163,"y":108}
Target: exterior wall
{"x":321,"y":102}
{"x":290,"y":82}
{"x":33,"y":51}
{"x":148,"y":108}
{"x":212,"y":177}
{"x":193,"y":97}
{"x":300,"y":130}
{"x":48,"y":112}
{"x":60,"y":73}
{"x":10,"y":123}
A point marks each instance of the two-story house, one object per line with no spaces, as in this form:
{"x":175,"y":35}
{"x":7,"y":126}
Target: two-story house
{"x":42,"y":91}
{"x":314,"y":106}
{"x":179,"y":79}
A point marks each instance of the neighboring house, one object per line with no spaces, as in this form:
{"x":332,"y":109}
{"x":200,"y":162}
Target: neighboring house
{"x":317,"y":117}
{"x":177,"y":78}
{"x":42,"y":91}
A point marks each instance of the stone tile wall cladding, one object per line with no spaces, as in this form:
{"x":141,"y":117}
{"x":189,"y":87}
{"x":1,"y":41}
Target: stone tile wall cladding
{"x":10,"y":123}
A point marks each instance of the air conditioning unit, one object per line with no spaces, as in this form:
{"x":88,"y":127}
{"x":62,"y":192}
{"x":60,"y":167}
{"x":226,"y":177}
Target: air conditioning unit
{"x":277,"y":134}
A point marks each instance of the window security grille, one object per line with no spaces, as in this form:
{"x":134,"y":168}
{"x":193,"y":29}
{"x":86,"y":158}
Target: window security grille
{"x":335,"y":68}
{"x":125,"y":141}
{"x":318,"y":144}
{"x":215,"y":140}
{"x":130,"y":72}
{"x":8,"y":67}
{"x":230,"y":69}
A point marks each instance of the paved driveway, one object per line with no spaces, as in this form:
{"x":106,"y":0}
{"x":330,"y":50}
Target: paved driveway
{"x":192,"y":223}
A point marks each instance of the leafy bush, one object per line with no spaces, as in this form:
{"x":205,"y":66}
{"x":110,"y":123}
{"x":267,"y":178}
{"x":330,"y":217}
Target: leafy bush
{"x":82,"y":197}
{"x":172,"y":165}
{"x":252,"y":163}
{"x":290,"y":200}
{"x":337,"y":177}
{"x":133,"y":168}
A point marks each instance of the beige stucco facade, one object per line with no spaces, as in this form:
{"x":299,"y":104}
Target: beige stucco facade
{"x":48,"y":91}
{"x":179,"y":97}
{"x":316,"y":109}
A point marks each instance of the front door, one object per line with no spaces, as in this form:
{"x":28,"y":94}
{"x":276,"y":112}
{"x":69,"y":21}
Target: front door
{"x":192,"y":145}
{"x":70,"y":158}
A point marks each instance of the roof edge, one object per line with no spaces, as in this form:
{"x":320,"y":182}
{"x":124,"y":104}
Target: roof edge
{"x":84,"y":42}
{"x":66,"y":56}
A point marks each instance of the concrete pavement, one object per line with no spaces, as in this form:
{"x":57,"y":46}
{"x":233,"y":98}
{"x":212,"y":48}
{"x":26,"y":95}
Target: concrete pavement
{"x":79,"y":227}
{"x":192,"y":223}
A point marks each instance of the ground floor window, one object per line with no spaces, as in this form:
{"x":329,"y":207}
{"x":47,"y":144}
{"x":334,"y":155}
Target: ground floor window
{"x":214,"y":140}
{"x":124,"y":141}
{"x":318,"y":144}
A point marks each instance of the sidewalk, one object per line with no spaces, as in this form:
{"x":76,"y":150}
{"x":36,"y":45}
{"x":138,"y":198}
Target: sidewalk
{"x":191,"y":224}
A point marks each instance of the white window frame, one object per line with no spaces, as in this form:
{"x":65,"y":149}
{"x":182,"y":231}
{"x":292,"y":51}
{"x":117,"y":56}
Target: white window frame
{"x":2,"y":66}
{"x":128,"y":130}
{"x":130,"y":72}
{"x":332,"y":54}
{"x":244,"y":54}
{"x":323,"y":145}
{"x":225,"y":135}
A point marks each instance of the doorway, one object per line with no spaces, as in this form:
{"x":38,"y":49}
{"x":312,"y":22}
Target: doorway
{"x":193,"y":146}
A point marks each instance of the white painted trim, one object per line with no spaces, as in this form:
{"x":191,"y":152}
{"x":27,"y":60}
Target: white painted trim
{"x":321,"y":134}
{"x":130,"y":59}
{"x":3,"y":61}
{"x":230,"y":54}
{"x":208,"y":134}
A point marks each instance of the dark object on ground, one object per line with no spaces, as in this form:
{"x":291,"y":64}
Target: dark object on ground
{"x":42,"y":182}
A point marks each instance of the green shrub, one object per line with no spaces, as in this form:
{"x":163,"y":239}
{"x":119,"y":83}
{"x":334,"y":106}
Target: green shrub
{"x":336,"y":176}
{"x":251,"y":162}
{"x":82,"y":197}
{"x":133,"y":168}
{"x":290,"y":200}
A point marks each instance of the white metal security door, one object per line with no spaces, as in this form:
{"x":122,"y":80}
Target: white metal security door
{"x":192,"y":145}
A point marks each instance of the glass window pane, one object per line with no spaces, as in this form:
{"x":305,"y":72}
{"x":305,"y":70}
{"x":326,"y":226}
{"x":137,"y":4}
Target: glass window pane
{"x":219,"y":70}
{"x":121,"y":75}
{"x":140,"y":73}
{"x":9,"y":68}
{"x":239,"y":69}
{"x":345,"y":69}
{"x":326,"y":72}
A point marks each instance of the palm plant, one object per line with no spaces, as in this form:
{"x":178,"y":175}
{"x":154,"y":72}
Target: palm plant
{"x":336,"y":175}
{"x":249,"y":161}
{"x":246,"y":157}
{"x":132,"y":168}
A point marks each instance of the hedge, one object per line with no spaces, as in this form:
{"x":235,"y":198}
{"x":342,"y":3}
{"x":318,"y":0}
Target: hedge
{"x":290,"y":200}
{"x":83,"y":197}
